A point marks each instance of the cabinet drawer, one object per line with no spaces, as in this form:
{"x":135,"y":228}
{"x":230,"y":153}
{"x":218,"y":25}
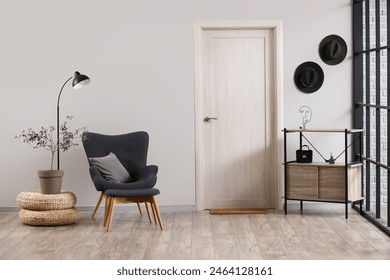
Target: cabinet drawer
{"x":323,"y":182}
{"x":331,"y":183}
{"x":302,"y":182}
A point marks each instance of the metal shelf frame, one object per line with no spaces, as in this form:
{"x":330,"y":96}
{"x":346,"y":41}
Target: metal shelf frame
{"x":347,"y":162}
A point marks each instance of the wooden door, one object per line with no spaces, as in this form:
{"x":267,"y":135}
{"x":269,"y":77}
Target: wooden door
{"x":238,"y":119}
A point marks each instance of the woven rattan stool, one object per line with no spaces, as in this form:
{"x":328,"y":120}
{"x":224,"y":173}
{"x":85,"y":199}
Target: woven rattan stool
{"x":47,"y":209}
{"x":49,"y":217}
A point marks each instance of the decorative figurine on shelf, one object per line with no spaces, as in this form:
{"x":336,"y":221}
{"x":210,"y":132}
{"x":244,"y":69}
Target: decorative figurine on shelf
{"x":307,"y":114}
{"x":331,"y":160}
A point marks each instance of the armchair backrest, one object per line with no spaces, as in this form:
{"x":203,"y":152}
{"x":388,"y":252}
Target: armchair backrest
{"x":131,"y":148}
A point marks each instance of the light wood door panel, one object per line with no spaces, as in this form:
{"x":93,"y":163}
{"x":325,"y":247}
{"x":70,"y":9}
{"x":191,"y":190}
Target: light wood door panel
{"x":238,"y":146}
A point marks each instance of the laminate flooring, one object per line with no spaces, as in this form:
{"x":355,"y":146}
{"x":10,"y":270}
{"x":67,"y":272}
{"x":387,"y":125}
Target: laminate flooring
{"x":317,"y":234}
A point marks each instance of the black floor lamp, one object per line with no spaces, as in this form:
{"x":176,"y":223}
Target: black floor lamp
{"x":79,"y":81}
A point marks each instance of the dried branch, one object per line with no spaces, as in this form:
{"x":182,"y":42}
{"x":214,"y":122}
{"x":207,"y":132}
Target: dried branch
{"x":44,"y":138}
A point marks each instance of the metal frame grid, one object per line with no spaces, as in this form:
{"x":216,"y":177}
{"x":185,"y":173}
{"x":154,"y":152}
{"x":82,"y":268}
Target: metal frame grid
{"x":364,"y":53}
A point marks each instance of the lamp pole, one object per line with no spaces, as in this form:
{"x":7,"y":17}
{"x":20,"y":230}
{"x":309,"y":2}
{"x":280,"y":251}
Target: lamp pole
{"x":58,"y":123}
{"x":79,"y":81}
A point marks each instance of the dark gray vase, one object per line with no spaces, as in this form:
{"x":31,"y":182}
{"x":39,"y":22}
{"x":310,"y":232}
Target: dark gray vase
{"x":50,"y":181}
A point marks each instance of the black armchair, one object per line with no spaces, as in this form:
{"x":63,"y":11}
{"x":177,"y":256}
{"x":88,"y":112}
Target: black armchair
{"x":131,"y":150}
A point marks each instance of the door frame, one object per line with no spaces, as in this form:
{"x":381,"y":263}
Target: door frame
{"x":276,"y":27}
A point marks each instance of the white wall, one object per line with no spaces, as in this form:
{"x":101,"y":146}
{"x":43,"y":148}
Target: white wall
{"x":139,"y":55}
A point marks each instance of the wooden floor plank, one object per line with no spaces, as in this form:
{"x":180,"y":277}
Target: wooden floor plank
{"x":350,"y":235}
{"x":92,"y":247}
{"x":309,"y":238}
{"x":244,"y":236}
{"x":202,"y":236}
{"x":312,"y":234}
{"x":25,"y":243}
{"x":337,"y":246}
{"x":5,"y":217}
{"x":158,"y":244}
{"x":225,"y":247}
{"x":371,"y":234}
{"x":270,"y":245}
{"x":292,"y":245}
{"x":181,"y":238}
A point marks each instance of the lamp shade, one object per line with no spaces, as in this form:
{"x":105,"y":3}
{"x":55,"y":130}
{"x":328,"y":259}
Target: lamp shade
{"x":80,"y":80}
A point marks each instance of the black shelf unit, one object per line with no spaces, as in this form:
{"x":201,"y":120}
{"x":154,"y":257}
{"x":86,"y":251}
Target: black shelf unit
{"x":357,"y":159}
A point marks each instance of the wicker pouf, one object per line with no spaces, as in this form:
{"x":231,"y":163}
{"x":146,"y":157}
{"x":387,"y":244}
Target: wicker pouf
{"x":49,"y":217}
{"x":47,"y":209}
{"x":35,"y":200}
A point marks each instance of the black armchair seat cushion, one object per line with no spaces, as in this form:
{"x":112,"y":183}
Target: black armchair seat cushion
{"x":132,"y":193}
{"x":146,"y":177}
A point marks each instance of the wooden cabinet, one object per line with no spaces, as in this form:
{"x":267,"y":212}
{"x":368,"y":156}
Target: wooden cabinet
{"x":324,"y":182}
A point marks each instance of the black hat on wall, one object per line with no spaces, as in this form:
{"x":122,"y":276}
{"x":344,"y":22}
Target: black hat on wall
{"x":309,"y":77}
{"x":332,"y":49}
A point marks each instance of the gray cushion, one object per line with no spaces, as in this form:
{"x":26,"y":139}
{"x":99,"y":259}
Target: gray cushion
{"x":111,"y":168}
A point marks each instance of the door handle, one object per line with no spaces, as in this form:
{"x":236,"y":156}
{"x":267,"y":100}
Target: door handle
{"x":208,"y":119}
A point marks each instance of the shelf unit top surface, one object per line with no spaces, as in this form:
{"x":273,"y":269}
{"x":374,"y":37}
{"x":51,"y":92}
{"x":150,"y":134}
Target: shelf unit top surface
{"x":325,"y":164}
{"x":354,"y":130}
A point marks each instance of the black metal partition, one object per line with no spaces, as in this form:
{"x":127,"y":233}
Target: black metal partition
{"x":371,"y":69}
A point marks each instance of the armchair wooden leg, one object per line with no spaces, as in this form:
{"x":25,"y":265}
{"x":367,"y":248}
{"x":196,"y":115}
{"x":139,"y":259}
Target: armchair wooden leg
{"x":97,"y":204}
{"x":139,"y":208}
{"x":112,"y":201}
{"x":154,"y":203}
{"x":107,"y":210}
{"x":154,"y":212}
{"x":148,"y":211}
{"x":111,"y":213}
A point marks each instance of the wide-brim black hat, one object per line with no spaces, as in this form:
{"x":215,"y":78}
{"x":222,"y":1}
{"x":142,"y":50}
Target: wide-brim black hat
{"x":332,"y":49}
{"x":308,"y":77}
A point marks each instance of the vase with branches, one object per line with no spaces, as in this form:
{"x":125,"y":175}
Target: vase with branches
{"x":45,"y":138}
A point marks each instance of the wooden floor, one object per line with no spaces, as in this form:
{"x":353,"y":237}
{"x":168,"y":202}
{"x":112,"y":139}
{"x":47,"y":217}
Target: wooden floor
{"x":317,"y":234}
